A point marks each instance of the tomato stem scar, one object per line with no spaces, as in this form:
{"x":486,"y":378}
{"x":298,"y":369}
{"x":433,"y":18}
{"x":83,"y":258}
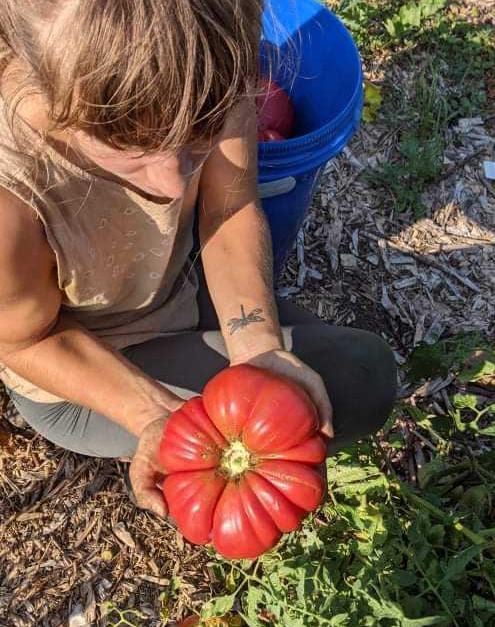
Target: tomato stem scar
{"x":236,"y":459}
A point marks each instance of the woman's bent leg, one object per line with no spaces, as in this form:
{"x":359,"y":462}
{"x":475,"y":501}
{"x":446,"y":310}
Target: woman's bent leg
{"x":76,"y":428}
{"x":357,"y":367}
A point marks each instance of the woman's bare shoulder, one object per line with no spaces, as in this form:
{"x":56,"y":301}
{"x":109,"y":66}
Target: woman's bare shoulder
{"x":29,"y":295}
{"x":23,"y":244}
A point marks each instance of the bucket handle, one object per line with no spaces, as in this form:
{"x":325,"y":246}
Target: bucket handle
{"x":277,"y":188}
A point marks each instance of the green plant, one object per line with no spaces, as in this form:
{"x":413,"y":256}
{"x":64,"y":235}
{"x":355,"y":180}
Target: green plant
{"x":452,"y":355}
{"x":412,"y":16}
{"x":418,"y":164}
{"x":379,"y":553}
{"x":419,"y":160}
{"x":366,"y":20}
{"x":382,"y":552}
{"x":467,"y":415}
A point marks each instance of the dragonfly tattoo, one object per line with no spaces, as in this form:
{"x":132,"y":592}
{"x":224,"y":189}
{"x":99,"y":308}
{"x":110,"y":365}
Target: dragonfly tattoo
{"x":240,"y":323}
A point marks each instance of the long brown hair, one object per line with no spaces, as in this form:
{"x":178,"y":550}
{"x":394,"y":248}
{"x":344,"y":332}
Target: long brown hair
{"x":153,"y":74}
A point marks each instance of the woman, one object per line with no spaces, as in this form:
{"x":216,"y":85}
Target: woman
{"x":118,"y":118}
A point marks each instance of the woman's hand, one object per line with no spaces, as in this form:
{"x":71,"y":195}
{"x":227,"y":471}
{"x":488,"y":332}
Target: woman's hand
{"x":287,"y":364}
{"x":145,"y":472}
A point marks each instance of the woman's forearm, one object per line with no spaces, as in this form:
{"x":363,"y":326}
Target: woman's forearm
{"x":236,"y":242}
{"x":237,"y":260}
{"x":73,"y":364}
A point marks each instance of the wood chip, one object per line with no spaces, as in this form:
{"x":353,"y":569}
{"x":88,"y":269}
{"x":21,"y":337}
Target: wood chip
{"x":77,"y":617}
{"x":431,"y":262}
{"x":435,"y":331}
{"x":301,"y":275}
{"x":434,"y":386}
{"x":159,"y":581}
{"x":85,"y":533}
{"x":333,"y":241}
{"x":123,"y":535}
{"x":402,"y":284}
{"x":387,"y":304}
{"x":315,"y":274}
{"x":420,"y":329}
{"x":466,"y":125}
{"x":349,"y":262}
{"x":30,"y":516}
{"x":300,"y":247}
{"x":355,"y":242}
{"x":284,"y":292}
{"x":401,"y":259}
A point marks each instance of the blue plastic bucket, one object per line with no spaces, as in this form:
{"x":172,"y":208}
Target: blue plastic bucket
{"x":313,"y":57}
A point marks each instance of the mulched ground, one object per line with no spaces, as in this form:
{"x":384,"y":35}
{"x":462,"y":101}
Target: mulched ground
{"x":69,"y":537}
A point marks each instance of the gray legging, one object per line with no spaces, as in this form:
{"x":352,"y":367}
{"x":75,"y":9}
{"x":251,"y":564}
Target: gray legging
{"x":358,"y":369}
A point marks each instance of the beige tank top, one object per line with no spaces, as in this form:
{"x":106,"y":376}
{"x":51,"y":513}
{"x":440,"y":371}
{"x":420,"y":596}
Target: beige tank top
{"x":123,"y":261}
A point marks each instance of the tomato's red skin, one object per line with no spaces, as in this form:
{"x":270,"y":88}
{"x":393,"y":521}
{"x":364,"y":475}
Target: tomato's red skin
{"x":285,"y":514}
{"x":275,"y":109}
{"x":311,"y":451}
{"x":273,"y":413}
{"x":191,"y":437}
{"x":228,"y":398}
{"x":242,"y":528}
{"x":270,"y":135}
{"x":274,"y":418}
{"x":300,"y":483}
{"x":192,"y":498}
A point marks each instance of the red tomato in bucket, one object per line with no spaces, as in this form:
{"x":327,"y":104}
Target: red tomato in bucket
{"x":241,"y":462}
{"x":275,"y":109}
{"x":269,"y":135}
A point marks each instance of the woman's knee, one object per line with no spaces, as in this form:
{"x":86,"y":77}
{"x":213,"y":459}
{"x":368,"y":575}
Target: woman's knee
{"x":377,"y":359}
{"x":359,"y":370}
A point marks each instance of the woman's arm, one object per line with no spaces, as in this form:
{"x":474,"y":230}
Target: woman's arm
{"x":52,"y":351}
{"x":237,"y":259}
{"x":236,"y":244}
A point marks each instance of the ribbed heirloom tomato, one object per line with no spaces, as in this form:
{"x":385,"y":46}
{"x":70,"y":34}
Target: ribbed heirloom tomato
{"x":241,"y":462}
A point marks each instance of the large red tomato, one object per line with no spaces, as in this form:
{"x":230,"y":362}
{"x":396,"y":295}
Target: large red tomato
{"x":275,"y":109}
{"x":241,"y":462}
